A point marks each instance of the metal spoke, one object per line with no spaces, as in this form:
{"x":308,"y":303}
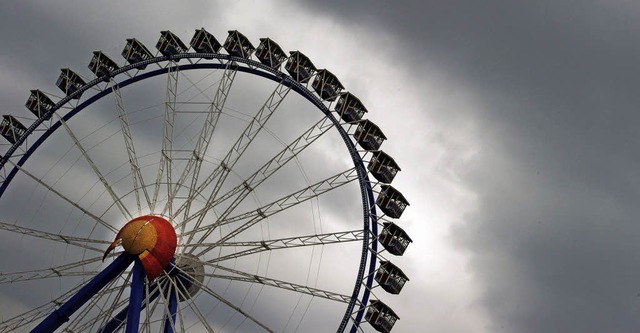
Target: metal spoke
{"x":84,"y":314}
{"x":165,"y":303}
{"x":63,"y":270}
{"x":191,"y":302}
{"x":149,"y":304}
{"x":167,"y":135}
{"x":117,"y":303}
{"x":72,"y":240}
{"x":34,"y":315}
{"x":243,"y":190}
{"x":138,"y":181}
{"x":212,"y":293}
{"x":282,"y":243}
{"x":95,"y":169}
{"x":246,"y":277}
{"x":252,"y":217}
{"x":63,"y":197}
{"x":240,"y":146}
{"x":204,"y":139}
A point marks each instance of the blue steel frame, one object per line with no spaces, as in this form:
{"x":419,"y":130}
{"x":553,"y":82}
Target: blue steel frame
{"x":62,"y":314}
{"x":255,"y":68}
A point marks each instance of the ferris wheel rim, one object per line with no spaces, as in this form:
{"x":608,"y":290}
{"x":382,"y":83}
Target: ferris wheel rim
{"x":255,"y":68}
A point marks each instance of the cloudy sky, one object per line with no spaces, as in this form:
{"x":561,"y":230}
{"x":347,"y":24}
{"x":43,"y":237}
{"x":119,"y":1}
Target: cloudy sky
{"x":514,"y":125}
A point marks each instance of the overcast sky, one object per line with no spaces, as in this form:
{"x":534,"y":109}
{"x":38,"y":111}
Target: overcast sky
{"x":515,"y":125}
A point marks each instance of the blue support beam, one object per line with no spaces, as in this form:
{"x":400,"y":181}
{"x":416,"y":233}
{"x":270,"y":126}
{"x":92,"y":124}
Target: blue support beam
{"x":170,"y":321}
{"x":58,"y":317}
{"x":135,"y":300}
{"x":121,"y":317}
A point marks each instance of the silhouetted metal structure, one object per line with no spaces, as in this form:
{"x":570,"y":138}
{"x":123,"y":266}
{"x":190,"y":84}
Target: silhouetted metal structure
{"x":134,"y":52}
{"x":326,"y":85}
{"x":169,"y":44}
{"x":368,"y":134}
{"x":383,"y":167}
{"x":270,"y":53}
{"x":394,"y":239}
{"x":300,"y":67}
{"x":39,"y":104}
{"x":102,"y":66}
{"x":70,"y":82}
{"x":11,"y":129}
{"x":204,"y":42}
{"x":349,"y":107}
{"x":381,"y":317}
{"x":390,"y":277}
{"x":238,"y":45}
{"x":391,"y":201}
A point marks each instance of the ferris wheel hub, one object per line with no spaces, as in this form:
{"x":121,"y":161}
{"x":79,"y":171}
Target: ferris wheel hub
{"x":189,"y":275}
{"x":152,"y":238}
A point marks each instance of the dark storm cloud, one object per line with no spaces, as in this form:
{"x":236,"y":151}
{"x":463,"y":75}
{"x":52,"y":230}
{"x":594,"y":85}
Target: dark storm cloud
{"x":555,"y":232}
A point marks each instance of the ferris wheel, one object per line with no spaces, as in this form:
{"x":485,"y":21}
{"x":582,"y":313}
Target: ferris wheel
{"x":215,"y":187}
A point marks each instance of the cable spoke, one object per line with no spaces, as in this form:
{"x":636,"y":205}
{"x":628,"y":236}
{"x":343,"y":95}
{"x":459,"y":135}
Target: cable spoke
{"x":138,"y":181}
{"x":63,"y":270}
{"x":72,"y":240}
{"x":269,"y":168}
{"x":282,"y":243}
{"x":252,"y":217}
{"x":212,"y":293}
{"x":242,"y":143}
{"x":150,"y":302}
{"x":201,"y":146}
{"x":63,"y":197}
{"x":95,"y":169}
{"x":246,"y":277}
{"x":190,"y":301}
{"x":117,"y":302}
{"x":165,"y":302}
{"x":34,"y":315}
{"x":167,"y":135}
{"x":84,"y":319}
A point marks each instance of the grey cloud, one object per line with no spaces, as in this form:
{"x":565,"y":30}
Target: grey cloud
{"x":553,"y":237}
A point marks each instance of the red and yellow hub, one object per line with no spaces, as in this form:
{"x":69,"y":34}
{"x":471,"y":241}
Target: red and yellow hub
{"x":152,"y":239}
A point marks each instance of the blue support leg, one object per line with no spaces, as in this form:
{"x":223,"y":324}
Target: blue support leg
{"x":62,"y":314}
{"x":120,"y":318}
{"x":169,"y":323}
{"x":135,"y":300}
